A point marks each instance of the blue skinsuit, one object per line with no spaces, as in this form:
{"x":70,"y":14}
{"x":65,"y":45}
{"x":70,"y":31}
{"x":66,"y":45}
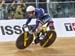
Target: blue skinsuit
{"x":41,"y":16}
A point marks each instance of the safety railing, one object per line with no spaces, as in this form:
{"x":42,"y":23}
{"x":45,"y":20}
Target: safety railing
{"x":17,"y":10}
{"x":62,"y":9}
{"x":55,"y":9}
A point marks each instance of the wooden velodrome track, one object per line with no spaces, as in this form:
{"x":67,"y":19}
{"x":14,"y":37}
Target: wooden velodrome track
{"x":61,"y":47}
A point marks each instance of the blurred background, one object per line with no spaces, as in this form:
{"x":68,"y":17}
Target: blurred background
{"x":15,"y":9}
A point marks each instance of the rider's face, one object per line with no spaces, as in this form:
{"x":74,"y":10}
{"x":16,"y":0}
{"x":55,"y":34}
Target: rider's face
{"x":31,"y":14}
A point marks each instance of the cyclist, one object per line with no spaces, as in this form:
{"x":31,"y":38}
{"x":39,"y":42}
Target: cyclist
{"x":41,"y":19}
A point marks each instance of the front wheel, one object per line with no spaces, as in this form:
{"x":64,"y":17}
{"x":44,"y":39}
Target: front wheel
{"x":48,"y":39}
{"x":24,"y":40}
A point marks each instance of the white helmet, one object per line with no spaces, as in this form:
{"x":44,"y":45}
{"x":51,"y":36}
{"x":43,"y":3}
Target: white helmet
{"x":30,"y":9}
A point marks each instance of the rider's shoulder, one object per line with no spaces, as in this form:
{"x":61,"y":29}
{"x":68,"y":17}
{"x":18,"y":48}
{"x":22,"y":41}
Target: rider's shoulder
{"x":39,"y":9}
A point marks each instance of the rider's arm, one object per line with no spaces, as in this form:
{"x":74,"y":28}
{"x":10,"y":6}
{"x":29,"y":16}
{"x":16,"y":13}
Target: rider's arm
{"x":34,"y":28}
{"x":28,"y":21}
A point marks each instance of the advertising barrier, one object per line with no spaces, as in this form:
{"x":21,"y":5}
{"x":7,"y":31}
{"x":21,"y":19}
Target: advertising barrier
{"x":65,"y":27}
{"x":11,"y":29}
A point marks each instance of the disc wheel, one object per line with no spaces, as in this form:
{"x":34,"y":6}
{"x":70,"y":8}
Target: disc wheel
{"x":24,"y":40}
{"x":48,"y":39}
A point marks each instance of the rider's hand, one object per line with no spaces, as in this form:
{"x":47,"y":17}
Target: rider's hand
{"x":24,"y":26}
